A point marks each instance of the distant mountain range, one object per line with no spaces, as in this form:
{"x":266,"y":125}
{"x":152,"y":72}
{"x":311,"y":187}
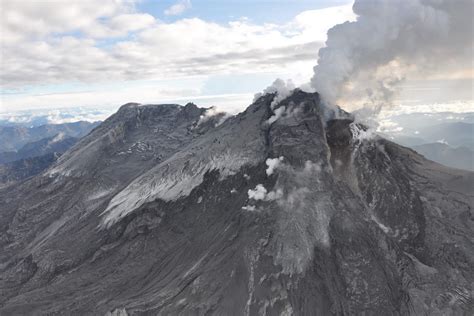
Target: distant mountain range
{"x":454,"y":134}
{"x":447,"y":138}
{"x":12,"y":138}
{"x":59,"y":143}
{"x":460,"y":157}
{"x":26,"y":152}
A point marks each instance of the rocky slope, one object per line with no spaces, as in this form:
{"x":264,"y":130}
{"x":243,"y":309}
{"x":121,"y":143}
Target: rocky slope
{"x":283,"y":210}
{"x":13,"y":172}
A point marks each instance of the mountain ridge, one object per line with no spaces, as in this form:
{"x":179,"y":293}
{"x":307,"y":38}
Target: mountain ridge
{"x":343,"y":222}
{"x":13,"y":138}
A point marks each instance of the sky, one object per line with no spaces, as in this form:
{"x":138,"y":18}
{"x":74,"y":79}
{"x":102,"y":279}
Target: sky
{"x":101,"y":54}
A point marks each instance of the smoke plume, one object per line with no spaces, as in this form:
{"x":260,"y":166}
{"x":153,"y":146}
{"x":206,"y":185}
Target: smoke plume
{"x":365,"y":61}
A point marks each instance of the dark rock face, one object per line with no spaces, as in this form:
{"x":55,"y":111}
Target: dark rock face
{"x":154,"y":213}
{"x":12,"y":172}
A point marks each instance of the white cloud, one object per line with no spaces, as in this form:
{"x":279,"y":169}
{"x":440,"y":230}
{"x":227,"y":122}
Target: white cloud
{"x":108,"y":46}
{"x":114,"y":95}
{"x":44,"y":50}
{"x":68,"y":42}
{"x":33,"y":20}
{"x":131,"y":22}
{"x":317,"y":22}
{"x":178,"y":8}
{"x":56,"y":116}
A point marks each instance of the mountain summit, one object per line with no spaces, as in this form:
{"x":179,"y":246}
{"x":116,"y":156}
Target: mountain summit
{"x":286,"y":208}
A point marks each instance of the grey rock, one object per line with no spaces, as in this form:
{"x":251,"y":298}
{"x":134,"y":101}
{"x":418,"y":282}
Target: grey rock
{"x":348,"y":223}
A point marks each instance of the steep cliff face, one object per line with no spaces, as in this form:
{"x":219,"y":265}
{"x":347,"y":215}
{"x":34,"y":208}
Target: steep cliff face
{"x":286,"y":209}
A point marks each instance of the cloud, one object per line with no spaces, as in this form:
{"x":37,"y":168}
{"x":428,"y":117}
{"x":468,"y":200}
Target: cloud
{"x":101,"y":46}
{"x":55,"y":116}
{"x":178,"y":8}
{"x":47,"y":50}
{"x":34,"y":20}
{"x":366,"y":61}
{"x":111,"y":45}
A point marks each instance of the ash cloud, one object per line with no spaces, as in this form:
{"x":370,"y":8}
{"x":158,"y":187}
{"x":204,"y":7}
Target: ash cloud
{"x":365,"y":61}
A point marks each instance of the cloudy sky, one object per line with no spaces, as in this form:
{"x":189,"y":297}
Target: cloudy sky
{"x":70,"y":53}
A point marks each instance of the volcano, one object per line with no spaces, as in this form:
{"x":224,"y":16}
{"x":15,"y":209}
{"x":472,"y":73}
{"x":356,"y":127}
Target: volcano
{"x":284,"y":209}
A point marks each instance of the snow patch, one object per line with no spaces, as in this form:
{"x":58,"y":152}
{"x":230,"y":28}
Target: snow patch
{"x":172,"y":179}
{"x":57,"y":138}
{"x":100,"y":193}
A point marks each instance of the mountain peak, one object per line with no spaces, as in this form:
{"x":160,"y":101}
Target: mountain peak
{"x":130,"y":105}
{"x":287,"y":206}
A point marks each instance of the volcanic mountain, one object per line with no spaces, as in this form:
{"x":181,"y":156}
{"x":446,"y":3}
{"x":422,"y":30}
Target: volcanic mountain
{"x":288,"y":208}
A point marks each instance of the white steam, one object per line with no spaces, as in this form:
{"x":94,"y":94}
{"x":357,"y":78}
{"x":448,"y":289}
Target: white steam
{"x":260,"y":193}
{"x":364,"y":61}
{"x":272,"y":164}
{"x":211,"y":113}
{"x":280,"y":88}
{"x":277,"y":114}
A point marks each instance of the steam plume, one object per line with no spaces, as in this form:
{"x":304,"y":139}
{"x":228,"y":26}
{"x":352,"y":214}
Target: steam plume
{"x":364,"y":61}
